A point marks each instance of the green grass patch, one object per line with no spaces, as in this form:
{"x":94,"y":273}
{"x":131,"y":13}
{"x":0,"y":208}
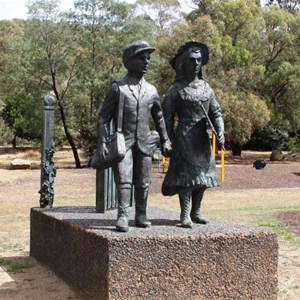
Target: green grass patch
{"x":280,"y":229}
{"x":13,"y":266}
{"x":3,"y":261}
{"x":269,"y":220}
{"x":263,"y":216}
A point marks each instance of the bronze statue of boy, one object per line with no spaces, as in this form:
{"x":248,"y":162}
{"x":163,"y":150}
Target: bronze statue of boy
{"x":141,"y":101}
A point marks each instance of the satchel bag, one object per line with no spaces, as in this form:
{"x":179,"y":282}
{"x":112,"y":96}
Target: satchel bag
{"x":115,"y":144}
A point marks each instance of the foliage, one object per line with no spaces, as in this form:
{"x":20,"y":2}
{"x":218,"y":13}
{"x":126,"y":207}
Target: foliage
{"x":282,"y":62}
{"x":26,"y":123}
{"x":269,"y":138}
{"x":244,"y":114}
{"x":6,"y":134}
{"x":12,"y":76}
{"x":164,"y":14}
{"x":293,"y":144}
{"x":51,"y":57}
{"x":284,"y":92}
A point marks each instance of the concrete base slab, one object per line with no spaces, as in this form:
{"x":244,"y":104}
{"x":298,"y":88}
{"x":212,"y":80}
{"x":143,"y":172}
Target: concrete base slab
{"x":214,"y":261}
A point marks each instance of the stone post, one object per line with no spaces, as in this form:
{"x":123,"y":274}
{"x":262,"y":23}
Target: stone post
{"x":105,"y":190}
{"x":48,"y":171}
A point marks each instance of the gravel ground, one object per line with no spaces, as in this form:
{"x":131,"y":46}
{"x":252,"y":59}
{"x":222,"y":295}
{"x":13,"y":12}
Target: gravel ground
{"x":240,"y":174}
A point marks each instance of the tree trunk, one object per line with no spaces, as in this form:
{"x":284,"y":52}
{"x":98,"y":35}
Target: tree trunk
{"x":69,"y":136}
{"x":236,"y":149}
{"x":70,"y":139}
{"x":14,"y":141}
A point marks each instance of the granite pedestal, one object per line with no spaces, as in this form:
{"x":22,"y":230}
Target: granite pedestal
{"x":214,"y":261}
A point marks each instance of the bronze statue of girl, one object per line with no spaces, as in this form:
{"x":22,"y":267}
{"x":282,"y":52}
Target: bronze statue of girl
{"x":190,"y":99}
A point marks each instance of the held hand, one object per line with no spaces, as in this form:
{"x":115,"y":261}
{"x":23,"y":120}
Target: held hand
{"x":221,"y":140}
{"x":166,"y":148}
{"x":102,"y":150}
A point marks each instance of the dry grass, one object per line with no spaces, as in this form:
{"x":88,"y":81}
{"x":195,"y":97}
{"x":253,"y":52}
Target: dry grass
{"x":32,"y":153}
{"x":247,"y":207}
{"x":63,"y":158}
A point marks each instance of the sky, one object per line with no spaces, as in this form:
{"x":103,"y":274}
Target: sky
{"x":10,"y":9}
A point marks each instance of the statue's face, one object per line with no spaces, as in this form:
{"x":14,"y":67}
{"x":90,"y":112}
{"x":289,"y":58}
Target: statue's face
{"x":192,"y":63}
{"x":139,"y":64}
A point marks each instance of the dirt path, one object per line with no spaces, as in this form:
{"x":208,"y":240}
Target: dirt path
{"x":289,"y":272}
{"x":35,"y":283}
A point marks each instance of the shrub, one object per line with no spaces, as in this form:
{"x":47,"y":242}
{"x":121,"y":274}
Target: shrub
{"x":269,"y":138}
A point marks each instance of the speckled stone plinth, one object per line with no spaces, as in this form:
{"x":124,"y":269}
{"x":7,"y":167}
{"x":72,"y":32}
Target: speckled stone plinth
{"x":214,"y":261}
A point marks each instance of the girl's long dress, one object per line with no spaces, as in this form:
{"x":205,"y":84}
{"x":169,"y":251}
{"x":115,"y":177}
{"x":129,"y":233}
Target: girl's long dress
{"x":191,"y":163}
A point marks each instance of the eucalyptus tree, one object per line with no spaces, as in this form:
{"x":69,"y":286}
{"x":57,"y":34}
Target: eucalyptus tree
{"x":11,"y":72}
{"x":281,"y":54}
{"x":51,"y":56}
{"x":163,"y":13}
{"x":8,"y":32}
{"x":19,"y":99}
{"x":22,"y":114}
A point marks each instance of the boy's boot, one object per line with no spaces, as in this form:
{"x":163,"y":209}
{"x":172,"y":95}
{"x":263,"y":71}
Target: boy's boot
{"x":124,"y":196}
{"x":141,"y":197}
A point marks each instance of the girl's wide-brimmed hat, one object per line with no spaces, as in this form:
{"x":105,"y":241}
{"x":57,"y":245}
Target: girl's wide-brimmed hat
{"x":185,"y":47}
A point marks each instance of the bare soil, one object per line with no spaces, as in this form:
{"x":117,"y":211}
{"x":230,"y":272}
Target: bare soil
{"x":19,"y":192}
